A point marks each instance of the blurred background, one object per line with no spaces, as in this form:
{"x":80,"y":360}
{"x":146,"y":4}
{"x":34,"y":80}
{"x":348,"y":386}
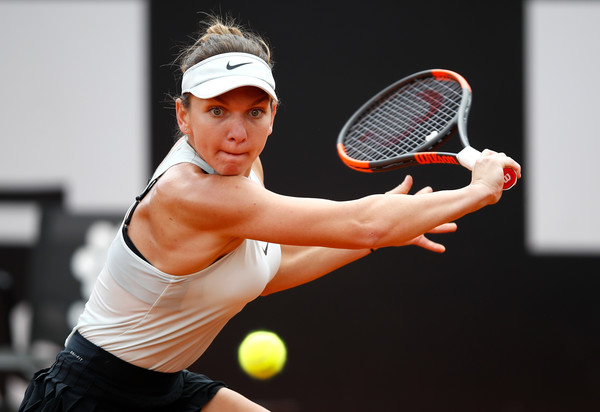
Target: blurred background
{"x":506,"y":320}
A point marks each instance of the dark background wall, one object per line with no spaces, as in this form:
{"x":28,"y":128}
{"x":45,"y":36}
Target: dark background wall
{"x":484,"y":327}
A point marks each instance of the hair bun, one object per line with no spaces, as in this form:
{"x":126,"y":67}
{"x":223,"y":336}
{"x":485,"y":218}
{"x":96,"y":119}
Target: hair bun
{"x":221,"y":29}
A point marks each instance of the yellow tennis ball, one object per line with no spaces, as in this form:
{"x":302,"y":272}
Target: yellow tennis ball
{"x":262,"y":354}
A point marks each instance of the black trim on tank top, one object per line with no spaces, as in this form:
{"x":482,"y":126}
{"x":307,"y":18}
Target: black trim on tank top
{"x":126,"y":237}
{"x":130,"y":244}
{"x":138,"y":199}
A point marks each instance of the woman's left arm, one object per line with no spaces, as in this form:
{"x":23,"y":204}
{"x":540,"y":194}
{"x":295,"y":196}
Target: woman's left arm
{"x":303,"y":264}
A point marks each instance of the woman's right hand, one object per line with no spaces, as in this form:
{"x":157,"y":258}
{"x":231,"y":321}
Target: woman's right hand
{"x":489,"y":172}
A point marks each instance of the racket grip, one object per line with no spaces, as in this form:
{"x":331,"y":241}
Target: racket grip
{"x":468,"y":156}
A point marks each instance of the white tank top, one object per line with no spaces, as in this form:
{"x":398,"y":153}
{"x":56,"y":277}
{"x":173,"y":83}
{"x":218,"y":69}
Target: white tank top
{"x":164,"y":322}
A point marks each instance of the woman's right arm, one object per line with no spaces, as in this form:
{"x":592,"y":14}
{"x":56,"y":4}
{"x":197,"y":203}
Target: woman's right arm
{"x":240,"y":208}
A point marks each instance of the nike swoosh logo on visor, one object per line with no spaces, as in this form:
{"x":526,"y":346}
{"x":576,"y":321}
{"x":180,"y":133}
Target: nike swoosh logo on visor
{"x":235,"y":66}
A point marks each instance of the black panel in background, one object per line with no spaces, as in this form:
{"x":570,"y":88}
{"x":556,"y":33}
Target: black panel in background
{"x":484,"y":327}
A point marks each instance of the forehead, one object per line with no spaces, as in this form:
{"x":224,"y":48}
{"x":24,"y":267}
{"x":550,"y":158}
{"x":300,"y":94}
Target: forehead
{"x":244,"y":93}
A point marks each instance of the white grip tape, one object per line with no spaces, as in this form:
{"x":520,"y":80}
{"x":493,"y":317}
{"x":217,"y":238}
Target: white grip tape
{"x":468,"y":156}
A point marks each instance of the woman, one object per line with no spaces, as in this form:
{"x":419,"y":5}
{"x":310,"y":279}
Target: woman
{"x":205,"y":238}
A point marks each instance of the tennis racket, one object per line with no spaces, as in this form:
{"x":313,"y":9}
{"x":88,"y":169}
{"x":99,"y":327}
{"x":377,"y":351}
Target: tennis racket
{"x":406,"y":122}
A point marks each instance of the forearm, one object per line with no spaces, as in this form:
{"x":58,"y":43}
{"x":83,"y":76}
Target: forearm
{"x":401,"y":217}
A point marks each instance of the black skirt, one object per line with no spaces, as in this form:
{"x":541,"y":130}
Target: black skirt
{"x":87,"y":378}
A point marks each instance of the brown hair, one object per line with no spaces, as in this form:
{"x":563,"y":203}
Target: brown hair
{"x":220,"y":35}
{"x":223,"y":36}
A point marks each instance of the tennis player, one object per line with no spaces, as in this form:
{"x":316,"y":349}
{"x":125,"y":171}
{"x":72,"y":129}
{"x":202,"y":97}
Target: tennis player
{"x":206,"y":237}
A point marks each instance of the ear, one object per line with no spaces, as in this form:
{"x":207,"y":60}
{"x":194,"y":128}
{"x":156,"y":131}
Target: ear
{"x":273,"y":112}
{"x":182,"y":117}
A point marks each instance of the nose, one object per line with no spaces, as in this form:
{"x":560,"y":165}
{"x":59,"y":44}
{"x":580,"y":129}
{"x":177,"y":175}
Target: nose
{"x":237,"y":130}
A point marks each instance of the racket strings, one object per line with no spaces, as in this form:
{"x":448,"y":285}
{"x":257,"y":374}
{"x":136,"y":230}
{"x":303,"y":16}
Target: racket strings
{"x":404,"y":120}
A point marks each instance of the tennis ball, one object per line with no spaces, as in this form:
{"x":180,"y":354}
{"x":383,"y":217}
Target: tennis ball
{"x":262,"y":354}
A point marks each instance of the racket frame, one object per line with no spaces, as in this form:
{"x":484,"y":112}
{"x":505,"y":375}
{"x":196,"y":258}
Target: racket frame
{"x":424,"y":154}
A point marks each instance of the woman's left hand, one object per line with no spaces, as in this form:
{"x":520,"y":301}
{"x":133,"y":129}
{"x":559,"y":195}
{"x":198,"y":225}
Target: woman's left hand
{"x":422,"y":240}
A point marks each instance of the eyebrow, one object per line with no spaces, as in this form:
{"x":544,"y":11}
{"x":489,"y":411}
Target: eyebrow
{"x":257,"y":101}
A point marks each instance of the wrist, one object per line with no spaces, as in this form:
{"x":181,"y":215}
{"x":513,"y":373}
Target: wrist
{"x":482,"y":194}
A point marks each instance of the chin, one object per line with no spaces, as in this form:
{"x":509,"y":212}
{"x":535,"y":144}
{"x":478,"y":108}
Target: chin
{"x":231,"y":170}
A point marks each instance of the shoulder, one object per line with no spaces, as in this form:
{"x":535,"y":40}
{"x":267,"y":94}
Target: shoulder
{"x":183,"y":185}
{"x":193,"y":198}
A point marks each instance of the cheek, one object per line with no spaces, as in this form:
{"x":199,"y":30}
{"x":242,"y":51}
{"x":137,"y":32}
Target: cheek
{"x":268,"y":125}
{"x":264,"y":133}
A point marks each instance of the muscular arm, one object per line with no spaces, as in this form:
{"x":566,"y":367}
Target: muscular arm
{"x":302,"y":264}
{"x":370,"y":222}
{"x":390,"y":219}
{"x":200,"y":217}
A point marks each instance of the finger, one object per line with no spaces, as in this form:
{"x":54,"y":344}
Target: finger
{"x":514,"y":165}
{"x":426,"y":189}
{"x":430,"y":245}
{"x":444,"y":228}
{"x":403,"y":188}
{"x":507,"y":160}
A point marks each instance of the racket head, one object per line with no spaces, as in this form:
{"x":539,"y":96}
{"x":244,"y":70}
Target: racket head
{"x":415,"y":114}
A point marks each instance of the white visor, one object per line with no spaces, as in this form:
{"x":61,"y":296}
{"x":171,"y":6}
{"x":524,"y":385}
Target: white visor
{"x":224,"y":72}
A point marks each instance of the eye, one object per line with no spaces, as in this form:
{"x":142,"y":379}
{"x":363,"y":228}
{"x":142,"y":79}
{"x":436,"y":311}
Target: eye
{"x":216,"y":111}
{"x":256,"y":112}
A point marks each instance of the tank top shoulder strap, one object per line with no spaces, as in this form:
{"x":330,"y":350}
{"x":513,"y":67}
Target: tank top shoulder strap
{"x":181,"y":152}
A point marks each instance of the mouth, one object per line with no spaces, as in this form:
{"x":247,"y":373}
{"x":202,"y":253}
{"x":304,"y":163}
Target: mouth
{"x":232,"y":163}
{"x":234,"y":155}
{"x":233,"y":158}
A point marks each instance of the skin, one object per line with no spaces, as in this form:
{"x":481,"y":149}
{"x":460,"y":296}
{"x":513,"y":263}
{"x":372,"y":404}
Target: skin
{"x":181,"y":230}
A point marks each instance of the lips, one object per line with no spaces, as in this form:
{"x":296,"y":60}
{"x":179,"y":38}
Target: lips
{"x":232,"y":163}
{"x":232,"y":157}
{"x":234,"y":154}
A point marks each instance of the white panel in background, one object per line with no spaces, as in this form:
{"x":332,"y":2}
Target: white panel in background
{"x":19,"y":223}
{"x":74,"y":78}
{"x":562,"y":108}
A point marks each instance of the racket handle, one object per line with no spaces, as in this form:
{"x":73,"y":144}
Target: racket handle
{"x":467,"y":157}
